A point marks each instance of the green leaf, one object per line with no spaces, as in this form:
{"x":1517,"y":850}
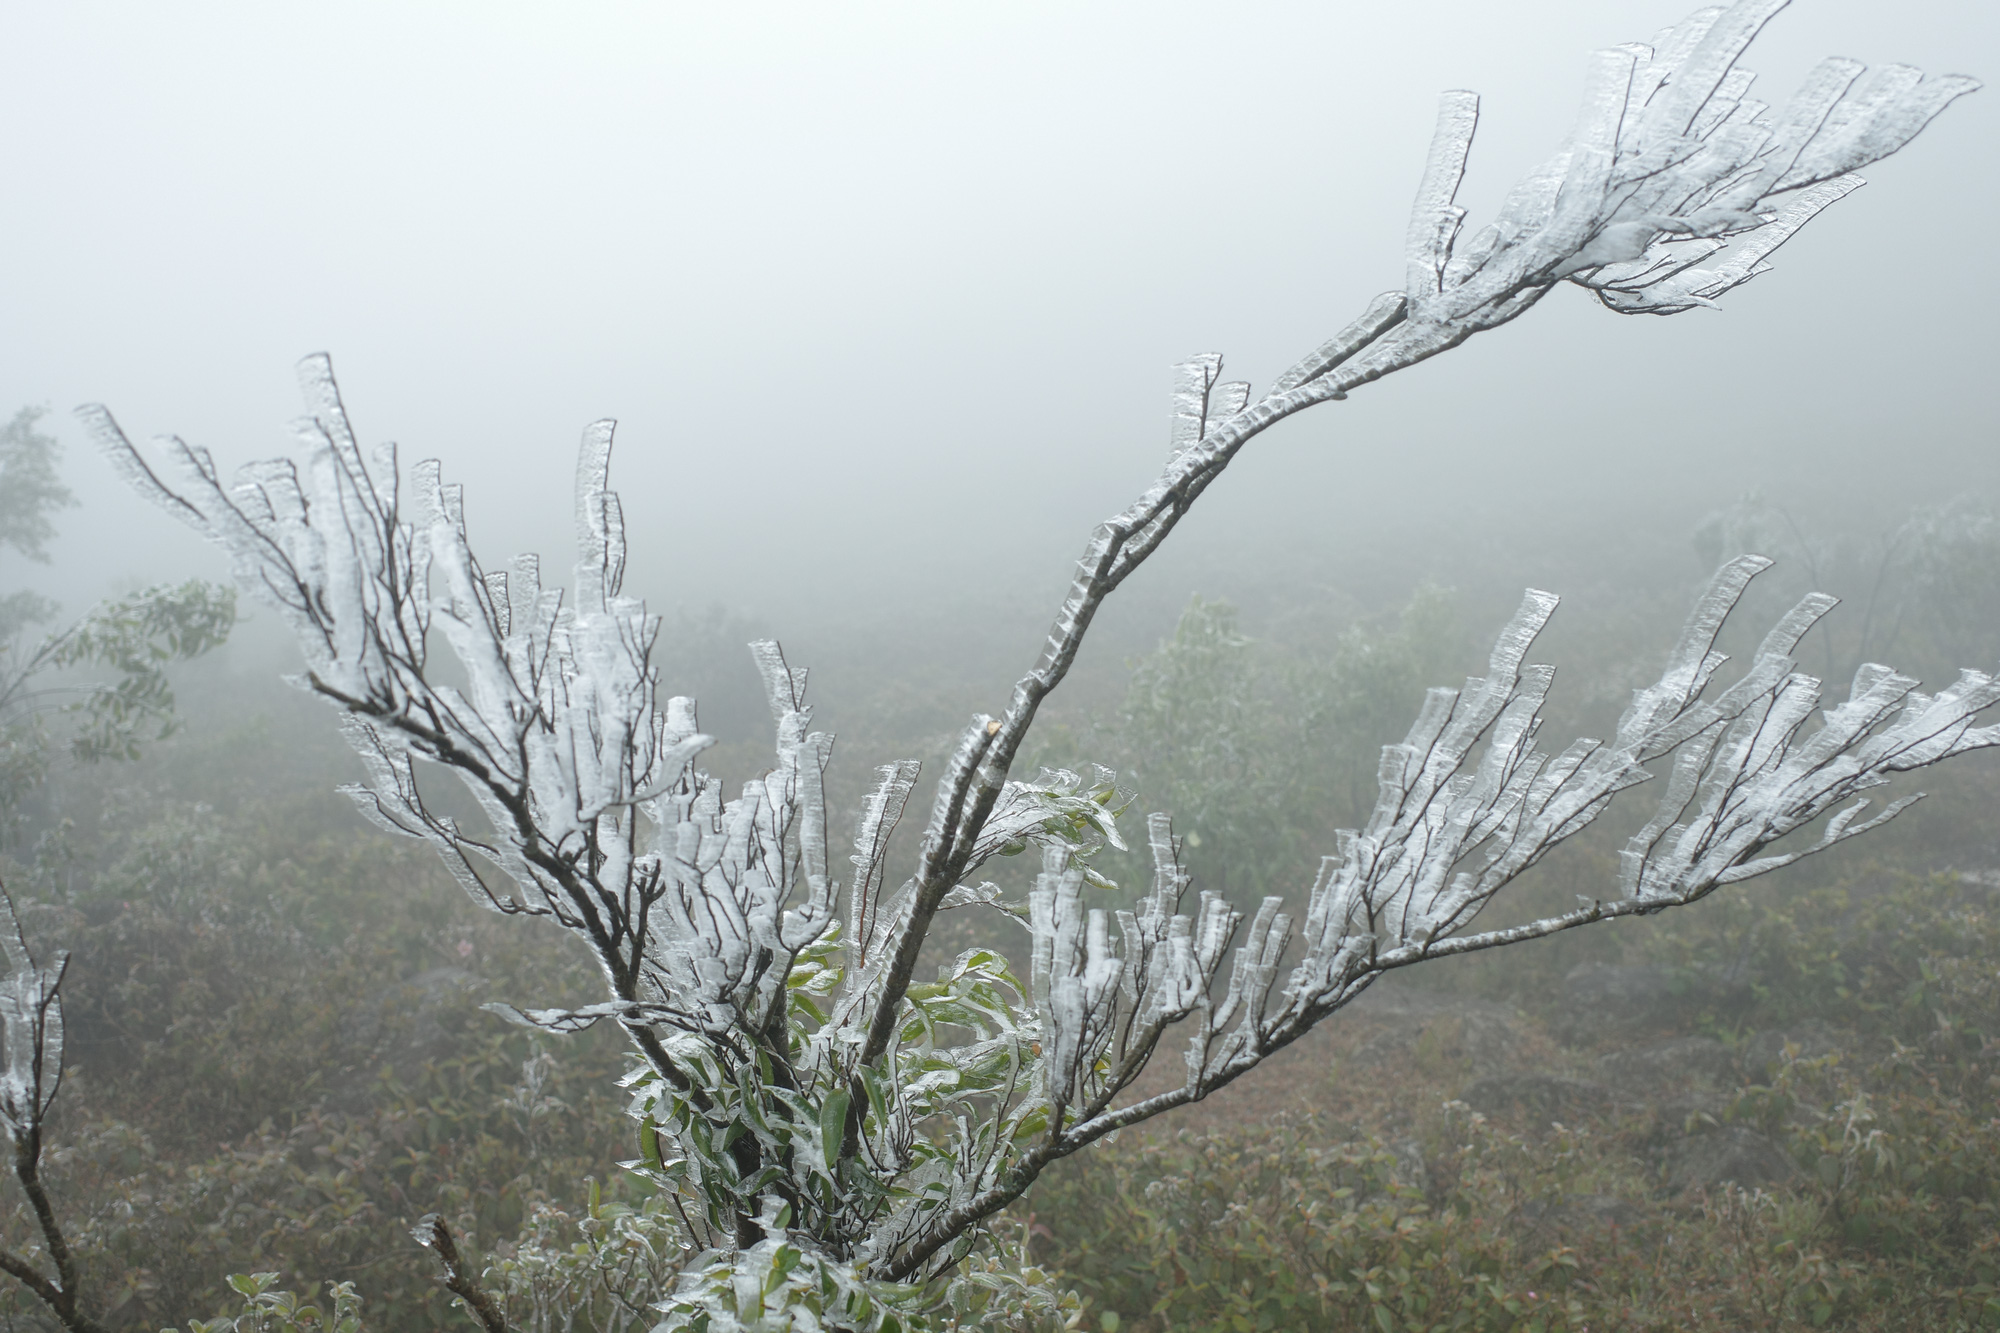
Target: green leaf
{"x":833,"y":1127}
{"x":871,"y":1081}
{"x":1033,"y":1123}
{"x":649,"y":1143}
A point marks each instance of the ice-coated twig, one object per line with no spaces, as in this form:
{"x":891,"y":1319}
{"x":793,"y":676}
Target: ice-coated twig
{"x":31,"y":1067}
{"x":31,"y":1029}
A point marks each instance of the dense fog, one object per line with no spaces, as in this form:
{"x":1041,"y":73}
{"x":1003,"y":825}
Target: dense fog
{"x":885,"y":302}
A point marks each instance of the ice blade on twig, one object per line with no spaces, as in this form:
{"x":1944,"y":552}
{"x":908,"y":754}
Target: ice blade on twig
{"x":1435,"y":219}
{"x":879,"y":817}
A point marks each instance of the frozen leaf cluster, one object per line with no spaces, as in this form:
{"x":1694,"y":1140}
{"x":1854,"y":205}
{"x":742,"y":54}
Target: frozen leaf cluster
{"x":601,"y":1271}
{"x":786,"y":1285}
{"x":1675,"y":184}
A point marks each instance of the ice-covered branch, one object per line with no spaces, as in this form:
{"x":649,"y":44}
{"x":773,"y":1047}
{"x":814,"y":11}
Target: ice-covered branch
{"x":1674,"y":187}
{"x":594,"y":814}
{"x":1469,"y":802}
{"x":1743,"y":771}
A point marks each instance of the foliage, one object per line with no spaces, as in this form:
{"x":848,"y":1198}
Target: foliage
{"x":29,"y":491}
{"x":615,"y":1267}
{"x":1923,"y":586}
{"x":1195,"y":728}
{"x":1446,"y":1212}
{"x":1358,"y":696}
{"x":261,"y":1085}
{"x":601,"y":1269}
{"x":1902,"y":956}
{"x":1282,"y":1229}
{"x":269,"y":1309}
{"x":135,"y":636}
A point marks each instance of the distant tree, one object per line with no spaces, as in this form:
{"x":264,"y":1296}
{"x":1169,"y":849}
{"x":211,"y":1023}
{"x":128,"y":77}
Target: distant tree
{"x":30,"y":490}
{"x":1198,"y":733}
{"x":1928,"y":583}
{"x":836,"y":1131}
{"x":1352,"y":698}
{"x":1252,"y":749}
{"x":133,"y":637}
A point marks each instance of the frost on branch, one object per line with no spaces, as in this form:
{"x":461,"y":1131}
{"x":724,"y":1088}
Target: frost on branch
{"x":1675,"y":186}
{"x":805,"y":1098}
{"x":31,"y":1069}
{"x":1672,"y":164}
{"x":1456,"y":822}
{"x":31,"y":1032}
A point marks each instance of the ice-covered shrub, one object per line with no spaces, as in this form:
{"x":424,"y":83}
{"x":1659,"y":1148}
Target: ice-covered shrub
{"x":839,"y":1129}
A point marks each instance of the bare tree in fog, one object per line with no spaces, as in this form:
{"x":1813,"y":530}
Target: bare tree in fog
{"x":830,"y":1124}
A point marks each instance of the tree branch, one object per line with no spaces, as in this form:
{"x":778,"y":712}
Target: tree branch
{"x":30,"y":1040}
{"x":433,"y":1234}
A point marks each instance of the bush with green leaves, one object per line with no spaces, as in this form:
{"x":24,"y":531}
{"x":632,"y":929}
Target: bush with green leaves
{"x":267,"y":1308}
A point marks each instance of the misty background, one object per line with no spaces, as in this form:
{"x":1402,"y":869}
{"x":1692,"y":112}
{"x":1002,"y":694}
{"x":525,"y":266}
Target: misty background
{"x":885,"y":298}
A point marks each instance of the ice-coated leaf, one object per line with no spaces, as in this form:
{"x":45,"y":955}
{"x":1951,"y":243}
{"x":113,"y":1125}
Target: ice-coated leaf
{"x":1435,"y":219}
{"x":1720,"y":38}
{"x":879,"y":817}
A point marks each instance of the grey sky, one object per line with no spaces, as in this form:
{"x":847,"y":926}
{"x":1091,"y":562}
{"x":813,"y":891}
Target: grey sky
{"x":902,"y":282}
